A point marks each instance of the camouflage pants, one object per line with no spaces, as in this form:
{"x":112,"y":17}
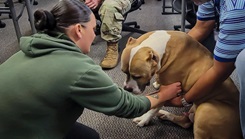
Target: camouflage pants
{"x":111,"y":15}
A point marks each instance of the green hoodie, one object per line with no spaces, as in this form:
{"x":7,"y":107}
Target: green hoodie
{"x":45,"y":87}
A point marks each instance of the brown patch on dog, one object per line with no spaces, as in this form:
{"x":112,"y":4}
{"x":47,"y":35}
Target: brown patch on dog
{"x":131,"y":43}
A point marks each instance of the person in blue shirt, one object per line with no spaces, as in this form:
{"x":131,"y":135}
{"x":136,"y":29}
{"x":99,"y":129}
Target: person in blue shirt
{"x":229,"y":53}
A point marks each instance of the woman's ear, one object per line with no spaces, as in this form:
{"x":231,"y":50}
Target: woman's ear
{"x":78,"y":30}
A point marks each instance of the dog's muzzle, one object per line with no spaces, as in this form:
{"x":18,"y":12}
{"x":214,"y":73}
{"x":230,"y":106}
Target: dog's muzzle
{"x":130,"y":89}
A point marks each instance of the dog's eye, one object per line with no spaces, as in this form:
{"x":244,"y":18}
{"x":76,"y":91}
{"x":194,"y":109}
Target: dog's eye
{"x":136,"y":77}
{"x":125,"y":71}
{"x":153,"y":73}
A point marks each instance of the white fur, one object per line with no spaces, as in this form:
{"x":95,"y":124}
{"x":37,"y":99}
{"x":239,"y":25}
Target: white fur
{"x":145,"y":118}
{"x":157,"y":41}
{"x":156,"y":85}
{"x":132,"y":84}
{"x":166,"y":115}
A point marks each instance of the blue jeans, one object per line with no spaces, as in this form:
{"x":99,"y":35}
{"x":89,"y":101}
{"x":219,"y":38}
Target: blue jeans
{"x":240,"y":67}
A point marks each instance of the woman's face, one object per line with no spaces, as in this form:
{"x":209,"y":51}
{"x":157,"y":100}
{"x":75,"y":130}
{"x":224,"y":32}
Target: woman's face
{"x":88,"y":34}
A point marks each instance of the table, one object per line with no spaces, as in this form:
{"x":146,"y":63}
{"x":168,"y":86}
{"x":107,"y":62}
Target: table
{"x":183,"y":13}
{"x":11,"y":10}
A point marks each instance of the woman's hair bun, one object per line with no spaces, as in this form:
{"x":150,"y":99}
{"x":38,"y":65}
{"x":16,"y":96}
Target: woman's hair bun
{"x":44,"y":20}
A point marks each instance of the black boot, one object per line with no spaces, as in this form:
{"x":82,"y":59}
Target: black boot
{"x":2,"y":25}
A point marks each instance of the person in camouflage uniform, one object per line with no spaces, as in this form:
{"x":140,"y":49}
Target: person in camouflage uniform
{"x":111,"y":15}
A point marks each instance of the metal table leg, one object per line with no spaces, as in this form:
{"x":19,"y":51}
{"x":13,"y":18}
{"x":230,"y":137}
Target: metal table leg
{"x":11,"y":10}
{"x":183,"y":13}
{"x":30,"y":15}
{"x":15,"y":19}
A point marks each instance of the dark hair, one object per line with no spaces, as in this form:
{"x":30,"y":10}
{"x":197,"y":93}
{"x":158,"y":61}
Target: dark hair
{"x":62,"y":15}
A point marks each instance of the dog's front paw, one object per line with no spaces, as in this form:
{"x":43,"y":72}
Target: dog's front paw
{"x":145,"y":118}
{"x":141,"y":121}
{"x":156,"y":85}
{"x":164,"y":115}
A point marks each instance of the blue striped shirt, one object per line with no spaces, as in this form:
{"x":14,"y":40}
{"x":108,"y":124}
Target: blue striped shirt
{"x":231,"y":38}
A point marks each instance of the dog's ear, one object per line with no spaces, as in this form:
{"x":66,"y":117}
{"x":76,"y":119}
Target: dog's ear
{"x":153,"y":56}
{"x":131,"y":40}
{"x":125,"y":56}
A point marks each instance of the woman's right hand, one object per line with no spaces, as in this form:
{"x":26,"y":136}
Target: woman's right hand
{"x":165,"y":93}
{"x":175,"y":102}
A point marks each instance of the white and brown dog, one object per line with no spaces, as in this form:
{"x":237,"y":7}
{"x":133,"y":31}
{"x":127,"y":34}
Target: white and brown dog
{"x":174,"y":56}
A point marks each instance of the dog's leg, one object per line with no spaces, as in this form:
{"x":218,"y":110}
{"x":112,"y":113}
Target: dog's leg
{"x":181,"y":120}
{"x":145,"y":118}
{"x":156,"y":84}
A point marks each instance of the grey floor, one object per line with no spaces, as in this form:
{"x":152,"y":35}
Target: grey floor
{"x":110,"y":127}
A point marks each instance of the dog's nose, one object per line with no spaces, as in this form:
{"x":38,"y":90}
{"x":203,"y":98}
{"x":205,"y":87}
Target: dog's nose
{"x":128,"y":89}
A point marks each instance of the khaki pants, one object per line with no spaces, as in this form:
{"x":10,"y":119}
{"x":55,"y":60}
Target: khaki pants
{"x":111,"y":15}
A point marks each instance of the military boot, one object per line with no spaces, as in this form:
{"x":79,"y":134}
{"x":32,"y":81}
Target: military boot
{"x":111,"y":58}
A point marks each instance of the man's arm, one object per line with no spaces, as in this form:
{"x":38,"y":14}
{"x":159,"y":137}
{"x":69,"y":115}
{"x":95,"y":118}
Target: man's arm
{"x":202,"y":29}
{"x":218,"y":73}
{"x":213,"y":77}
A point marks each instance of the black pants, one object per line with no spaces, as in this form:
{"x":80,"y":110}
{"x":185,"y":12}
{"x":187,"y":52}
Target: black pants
{"x":80,"y":131}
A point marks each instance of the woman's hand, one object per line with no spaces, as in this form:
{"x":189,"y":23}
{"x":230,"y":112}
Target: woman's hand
{"x":165,"y":93}
{"x":175,"y":102}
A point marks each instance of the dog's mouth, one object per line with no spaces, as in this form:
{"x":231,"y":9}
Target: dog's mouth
{"x":137,"y":89}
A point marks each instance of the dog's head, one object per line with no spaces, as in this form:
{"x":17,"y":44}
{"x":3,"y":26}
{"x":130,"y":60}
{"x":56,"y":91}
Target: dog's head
{"x":141,"y":56}
{"x":139,"y":64}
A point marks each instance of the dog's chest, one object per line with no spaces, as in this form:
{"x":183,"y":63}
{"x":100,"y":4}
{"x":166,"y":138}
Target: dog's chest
{"x":157,"y":41}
